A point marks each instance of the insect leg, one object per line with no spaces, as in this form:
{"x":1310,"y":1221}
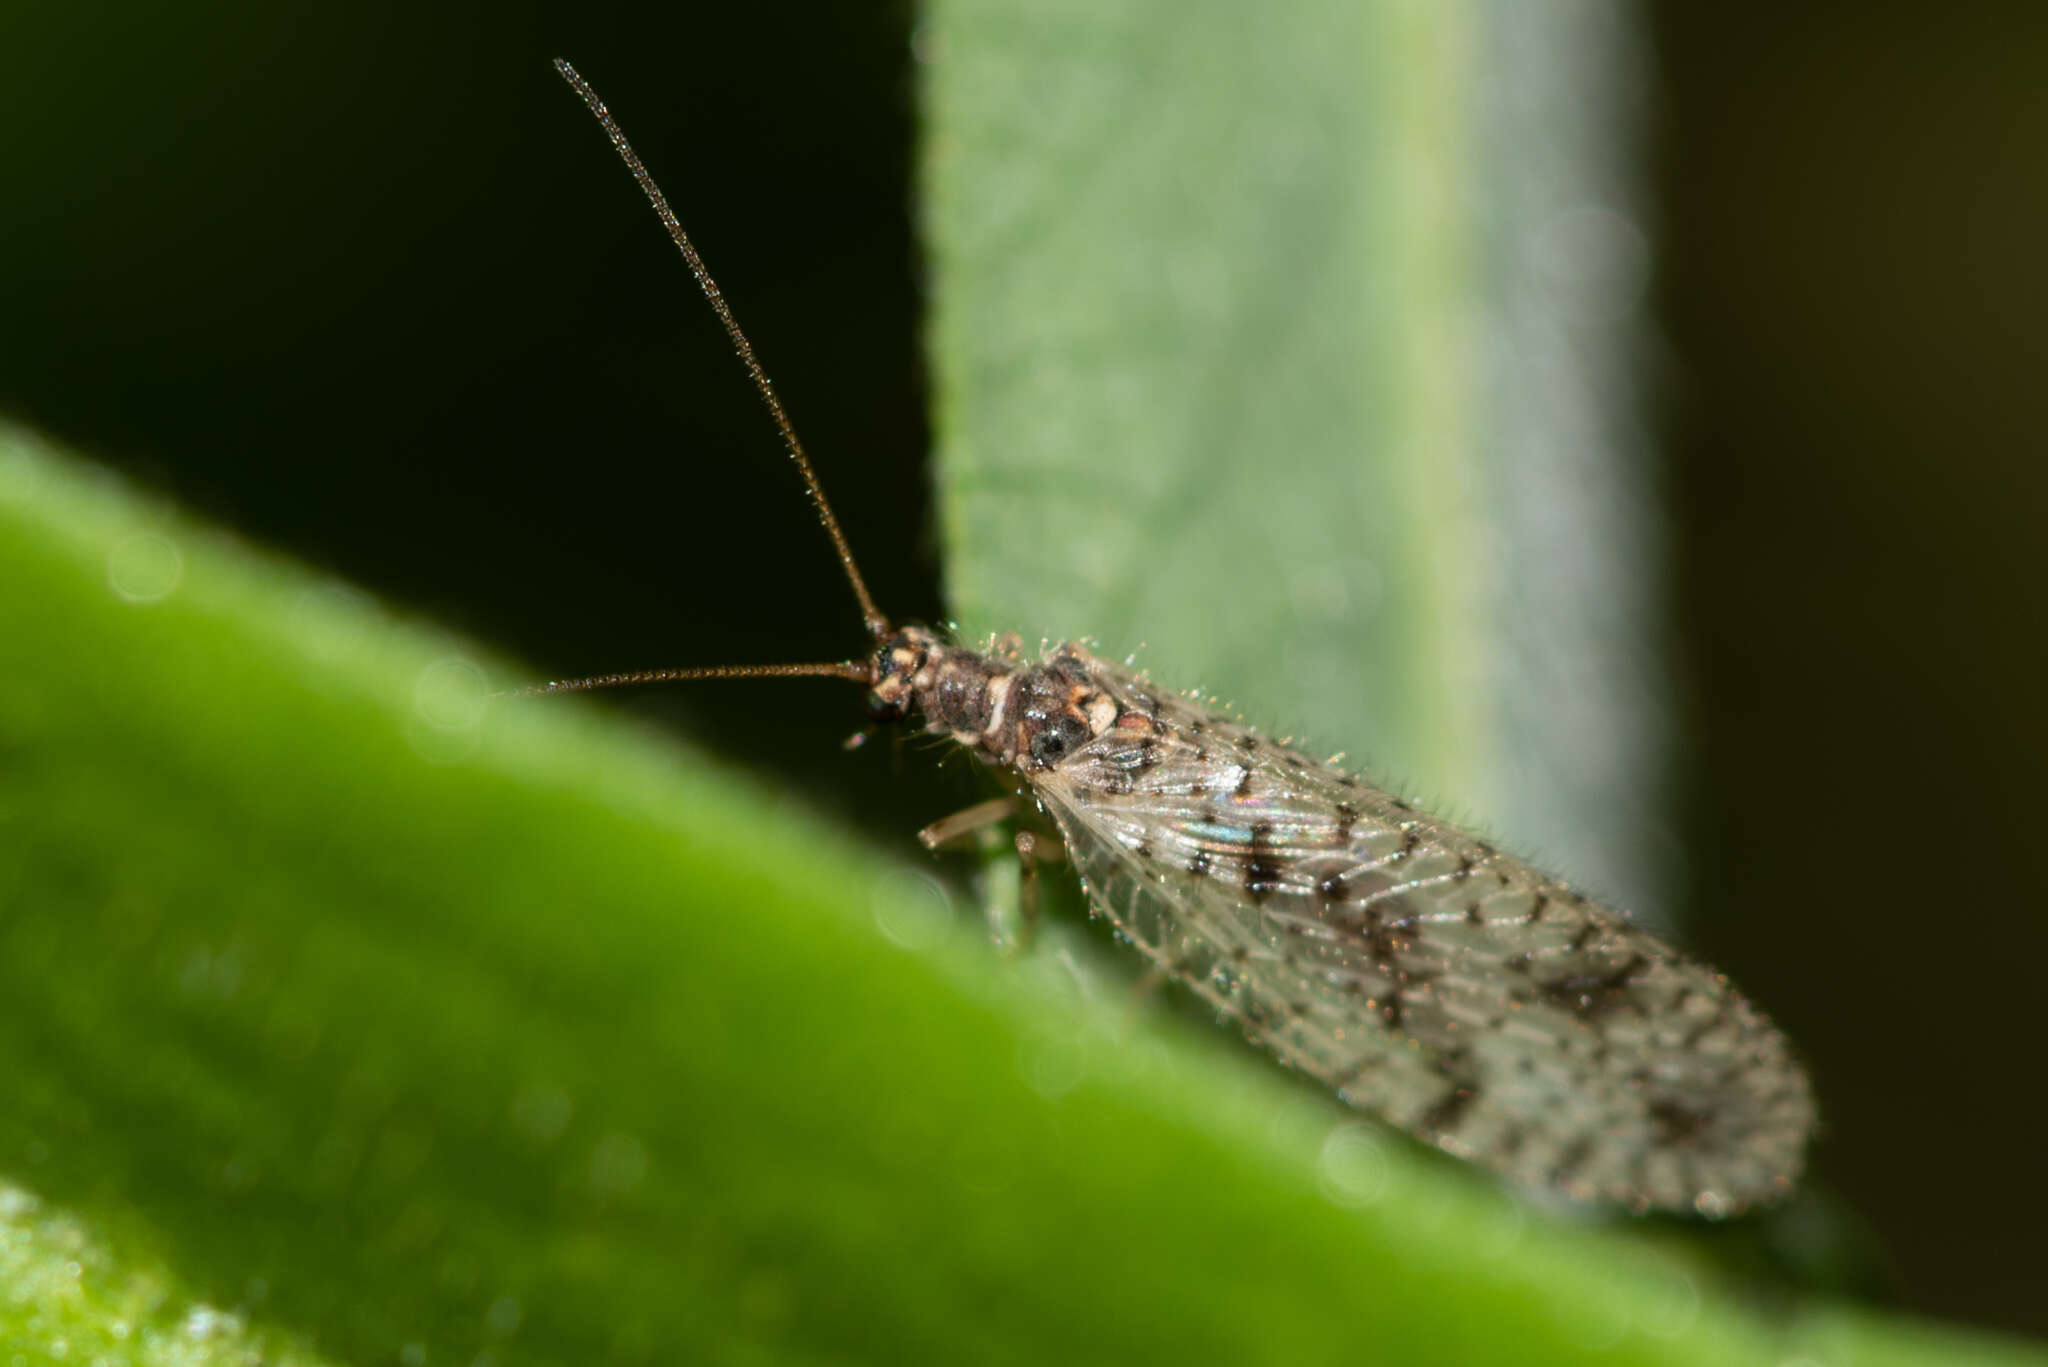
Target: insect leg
{"x":1027,"y":887}
{"x":964,"y":823}
{"x":1034,"y":849}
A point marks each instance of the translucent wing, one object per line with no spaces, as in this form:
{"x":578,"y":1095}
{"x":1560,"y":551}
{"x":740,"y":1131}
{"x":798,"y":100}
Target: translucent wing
{"x":1430,"y":979}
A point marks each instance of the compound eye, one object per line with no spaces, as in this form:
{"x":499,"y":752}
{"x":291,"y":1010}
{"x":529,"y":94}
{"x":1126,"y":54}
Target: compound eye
{"x":1057,"y":739}
{"x":881,"y":709}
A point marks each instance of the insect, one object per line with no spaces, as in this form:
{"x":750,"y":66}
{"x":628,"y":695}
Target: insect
{"x":1431,"y":980}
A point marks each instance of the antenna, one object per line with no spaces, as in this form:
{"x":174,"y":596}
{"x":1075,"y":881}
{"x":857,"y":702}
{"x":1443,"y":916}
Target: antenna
{"x":871,"y":616}
{"x":851,"y":669}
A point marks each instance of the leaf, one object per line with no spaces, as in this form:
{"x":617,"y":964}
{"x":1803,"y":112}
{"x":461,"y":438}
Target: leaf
{"x":1250,"y":349}
{"x":1179,"y":329}
{"x":394,"y":1025}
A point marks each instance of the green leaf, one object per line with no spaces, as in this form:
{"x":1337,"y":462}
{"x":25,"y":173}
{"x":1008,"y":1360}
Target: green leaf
{"x":1292,"y":343}
{"x":1197,"y":377}
{"x":343,"y":1013}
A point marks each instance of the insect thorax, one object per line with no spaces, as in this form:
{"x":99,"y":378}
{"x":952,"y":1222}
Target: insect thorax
{"x":1028,"y":716}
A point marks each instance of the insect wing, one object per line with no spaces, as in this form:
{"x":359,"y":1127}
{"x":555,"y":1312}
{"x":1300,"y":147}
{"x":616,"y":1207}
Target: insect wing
{"x":1429,"y":979}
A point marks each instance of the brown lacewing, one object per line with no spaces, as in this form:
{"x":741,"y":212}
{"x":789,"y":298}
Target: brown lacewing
{"x":1431,"y":980}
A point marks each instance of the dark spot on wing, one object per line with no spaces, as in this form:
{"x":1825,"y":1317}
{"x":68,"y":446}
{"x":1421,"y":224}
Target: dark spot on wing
{"x":1592,"y":995}
{"x":1384,"y":943}
{"x":1571,"y":1160}
{"x":1450,"y":1109}
{"x":1364,"y":927}
{"x":1264,"y":872}
{"x":1675,"y":1124}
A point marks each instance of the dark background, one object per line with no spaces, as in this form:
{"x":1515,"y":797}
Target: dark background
{"x":369,"y":286}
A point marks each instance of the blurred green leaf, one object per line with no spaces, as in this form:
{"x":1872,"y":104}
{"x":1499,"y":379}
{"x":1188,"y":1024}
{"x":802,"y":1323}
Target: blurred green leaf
{"x":1295,"y":344}
{"x":342,"y":1012}
{"x":1200,"y":384}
